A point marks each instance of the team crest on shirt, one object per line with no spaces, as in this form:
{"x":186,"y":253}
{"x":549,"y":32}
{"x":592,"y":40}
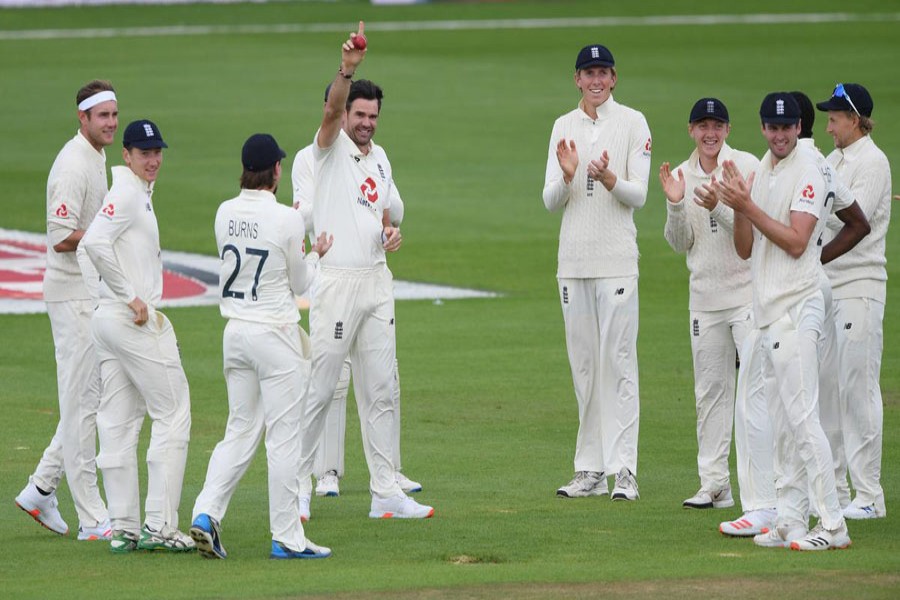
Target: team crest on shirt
{"x":62,"y":212}
{"x":109,"y":210}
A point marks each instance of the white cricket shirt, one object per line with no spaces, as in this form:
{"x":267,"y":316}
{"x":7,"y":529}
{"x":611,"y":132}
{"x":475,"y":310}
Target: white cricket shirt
{"x":260,"y":243}
{"x":75,"y":188}
{"x":352,"y":191}
{"x":303,"y":180}
{"x":719,"y":278}
{"x":861,"y":273}
{"x":597,"y":236}
{"x":123,"y":242}
{"x":779,"y":280}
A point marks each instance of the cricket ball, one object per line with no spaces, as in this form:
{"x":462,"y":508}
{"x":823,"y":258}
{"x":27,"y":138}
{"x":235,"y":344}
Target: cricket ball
{"x":360,"y":42}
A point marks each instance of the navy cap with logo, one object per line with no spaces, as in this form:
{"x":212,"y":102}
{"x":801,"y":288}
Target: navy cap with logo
{"x":260,"y":152}
{"x":850,"y":97}
{"x":143,"y":134}
{"x":779,"y":108}
{"x":709,"y":108}
{"x":594,"y":56}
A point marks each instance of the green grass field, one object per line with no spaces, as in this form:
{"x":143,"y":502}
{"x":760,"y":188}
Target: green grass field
{"x":489,"y":413}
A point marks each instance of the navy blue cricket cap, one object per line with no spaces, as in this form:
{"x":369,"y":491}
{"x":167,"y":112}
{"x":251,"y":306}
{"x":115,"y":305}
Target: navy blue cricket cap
{"x":143,"y":134}
{"x":260,"y":152}
{"x":780,"y":108}
{"x":709,"y":108}
{"x":594,"y":56}
{"x":851,"y":97}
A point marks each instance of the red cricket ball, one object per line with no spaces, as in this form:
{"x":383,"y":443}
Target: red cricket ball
{"x":360,"y":42}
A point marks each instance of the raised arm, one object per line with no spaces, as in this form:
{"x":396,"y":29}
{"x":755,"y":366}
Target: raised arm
{"x":351,"y":57}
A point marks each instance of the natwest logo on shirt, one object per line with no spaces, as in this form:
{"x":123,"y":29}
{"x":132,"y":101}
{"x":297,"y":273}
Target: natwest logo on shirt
{"x":808,"y":192}
{"x":109,"y":210}
{"x":648,"y":145}
{"x":368,"y":190}
{"x":62,"y":212}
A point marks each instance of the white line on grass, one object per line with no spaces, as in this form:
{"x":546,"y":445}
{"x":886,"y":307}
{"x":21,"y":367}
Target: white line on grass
{"x":451,"y":25}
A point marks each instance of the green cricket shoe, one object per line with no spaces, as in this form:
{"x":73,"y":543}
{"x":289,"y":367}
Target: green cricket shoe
{"x":167,"y":540}
{"x":123,"y":542}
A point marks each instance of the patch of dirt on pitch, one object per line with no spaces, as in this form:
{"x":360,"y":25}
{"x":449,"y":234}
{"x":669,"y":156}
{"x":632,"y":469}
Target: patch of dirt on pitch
{"x":828,"y":584}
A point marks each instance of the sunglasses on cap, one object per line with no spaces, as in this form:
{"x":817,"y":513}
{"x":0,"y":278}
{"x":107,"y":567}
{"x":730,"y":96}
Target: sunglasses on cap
{"x":840,"y":92}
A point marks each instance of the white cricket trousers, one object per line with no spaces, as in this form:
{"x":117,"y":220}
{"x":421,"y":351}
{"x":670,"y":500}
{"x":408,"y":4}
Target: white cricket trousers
{"x":353,"y":315}
{"x":829,"y":396}
{"x":859,"y":342}
{"x":601,"y":319}
{"x":141,"y":371}
{"x":716,"y":339}
{"x":754,"y":442}
{"x":330,"y":456}
{"x":804,"y":471}
{"x":73,"y":449}
{"x":267,"y":374}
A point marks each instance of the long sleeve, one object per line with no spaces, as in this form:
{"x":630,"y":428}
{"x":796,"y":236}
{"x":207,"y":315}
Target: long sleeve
{"x":303,"y":182}
{"x":556,"y":191}
{"x":110,"y":223}
{"x":301,"y":270}
{"x":631,"y":186}
{"x":678,"y":230}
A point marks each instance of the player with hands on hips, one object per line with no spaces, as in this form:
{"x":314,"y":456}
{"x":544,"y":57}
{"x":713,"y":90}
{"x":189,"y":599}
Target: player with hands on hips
{"x":353,"y":311}
{"x":266,"y":353}
{"x":598,"y":165}
{"x":140,"y":363}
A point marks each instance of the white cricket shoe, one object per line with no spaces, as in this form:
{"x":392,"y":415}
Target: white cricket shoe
{"x":43,"y":509}
{"x":399,"y":507}
{"x":328,"y":485}
{"x":103,"y":531}
{"x":871,"y":511}
{"x":626,"y":486}
{"x":710,"y":499}
{"x":823,"y":539}
{"x":304,"y":507}
{"x":584,"y":484}
{"x":752,"y":522}
{"x":780,"y":537}
{"x":406,"y":484}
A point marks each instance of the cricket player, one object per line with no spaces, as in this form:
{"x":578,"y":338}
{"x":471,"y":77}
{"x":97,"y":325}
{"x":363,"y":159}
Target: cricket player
{"x":858,"y":281}
{"x":75,"y":188}
{"x":329,"y":462}
{"x":720,"y":294}
{"x":598,"y":166}
{"x":754,"y":442}
{"x":140,"y":365}
{"x":353,"y":312}
{"x":261,"y":243}
{"x":776,"y":213}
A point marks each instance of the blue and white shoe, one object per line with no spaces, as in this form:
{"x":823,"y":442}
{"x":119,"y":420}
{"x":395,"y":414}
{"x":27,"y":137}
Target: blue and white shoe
{"x":406,"y":484}
{"x":205,"y":532}
{"x":280,"y":551}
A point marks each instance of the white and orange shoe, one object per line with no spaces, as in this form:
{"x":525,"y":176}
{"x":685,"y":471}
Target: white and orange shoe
{"x":103,"y":531}
{"x":43,"y":508}
{"x":751,"y":523}
{"x":399,"y":507}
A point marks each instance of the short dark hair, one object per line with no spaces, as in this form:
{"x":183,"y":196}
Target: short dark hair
{"x":258,"y":180}
{"x":365,"y":89}
{"x":91,"y":88}
{"x":807,"y":114}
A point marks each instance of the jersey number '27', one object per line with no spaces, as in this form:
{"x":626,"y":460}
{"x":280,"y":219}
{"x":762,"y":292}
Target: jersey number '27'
{"x":227,"y":292}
